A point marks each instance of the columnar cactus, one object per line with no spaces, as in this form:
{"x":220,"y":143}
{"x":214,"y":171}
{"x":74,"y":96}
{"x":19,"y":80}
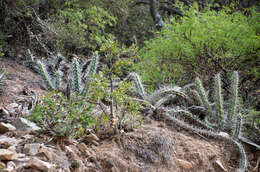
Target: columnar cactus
{"x":219,"y":101}
{"x":46,"y":77}
{"x":91,"y":70}
{"x":76,"y":75}
{"x":203,"y":97}
{"x":233,"y":98}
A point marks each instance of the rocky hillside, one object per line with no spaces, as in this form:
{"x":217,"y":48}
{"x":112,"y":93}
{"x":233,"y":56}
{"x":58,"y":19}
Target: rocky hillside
{"x":160,"y":144}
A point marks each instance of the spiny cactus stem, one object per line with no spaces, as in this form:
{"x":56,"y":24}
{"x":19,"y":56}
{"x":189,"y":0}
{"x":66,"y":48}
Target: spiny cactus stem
{"x":203,"y":96}
{"x":234,"y":97}
{"x":237,"y":129}
{"x":91,"y":70}
{"x":219,"y":101}
{"x":191,"y":116}
{"x":58,"y":79}
{"x":76,"y":75}
{"x":45,"y":75}
{"x":138,"y":84}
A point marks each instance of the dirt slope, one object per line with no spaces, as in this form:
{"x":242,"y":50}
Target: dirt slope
{"x":154,"y":147}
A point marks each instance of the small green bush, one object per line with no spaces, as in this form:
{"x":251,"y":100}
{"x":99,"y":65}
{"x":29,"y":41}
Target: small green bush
{"x":202,"y":43}
{"x":62,"y":117}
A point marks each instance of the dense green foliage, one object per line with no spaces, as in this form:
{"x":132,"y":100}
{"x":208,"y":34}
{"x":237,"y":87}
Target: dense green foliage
{"x":202,"y":42}
{"x":79,"y":25}
{"x":62,"y":117}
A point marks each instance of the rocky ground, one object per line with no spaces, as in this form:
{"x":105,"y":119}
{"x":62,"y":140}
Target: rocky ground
{"x":154,"y":147}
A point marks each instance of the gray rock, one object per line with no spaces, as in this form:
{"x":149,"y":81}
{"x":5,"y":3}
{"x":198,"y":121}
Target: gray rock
{"x":25,"y":125}
{"x":7,"y":141}
{"x":53,"y":155}
{"x":6,"y":127}
{"x":31,"y":149}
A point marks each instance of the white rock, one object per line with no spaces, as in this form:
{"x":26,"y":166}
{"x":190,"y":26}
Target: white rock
{"x":220,"y":165}
{"x":11,"y":166}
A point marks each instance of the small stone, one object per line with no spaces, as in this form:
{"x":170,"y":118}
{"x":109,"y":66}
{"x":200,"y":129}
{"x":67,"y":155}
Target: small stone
{"x":39,"y":164}
{"x":92,"y":137}
{"x":21,"y":162}
{"x":6,"y":127}
{"x":11,"y":107}
{"x":2,"y":165}
{"x":7,"y":141}
{"x":219,"y":167}
{"x":12,"y":148}
{"x":28,"y":136}
{"x":224,"y":134}
{"x":53,"y":155}
{"x":6,"y":154}
{"x":95,"y":143}
{"x":184,"y":164}
{"x":25,"y":125}
{"x":31,"y":149}
{"x":82,"y":147}
{"x":11,"y":166}
{"x":4,"y":113}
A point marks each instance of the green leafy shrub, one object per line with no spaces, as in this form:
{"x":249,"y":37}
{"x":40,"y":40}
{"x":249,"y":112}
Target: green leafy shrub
{"x":202,"y":43}
{"x":81,"y":25}
{"x":125,"y":111}
{"x":62,"y":117}
{"x":107,"y":87}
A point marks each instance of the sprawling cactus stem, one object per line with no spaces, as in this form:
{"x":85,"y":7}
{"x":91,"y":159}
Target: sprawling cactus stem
{"x":210,"y":134}
{"x":191,"y":116}
{"x":243,"y":157}
{"x":45,"y":75}
{"x":203,"y":97}
{"x":91,"y":70}
{"x":76,"y":75}
{"x":219,"y":101}
{"x":58,"y":80}
{"x":234,"y":97}
{"x":163,"y":92}
{"x":138,"y":84}
{"x":236,"y":131}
